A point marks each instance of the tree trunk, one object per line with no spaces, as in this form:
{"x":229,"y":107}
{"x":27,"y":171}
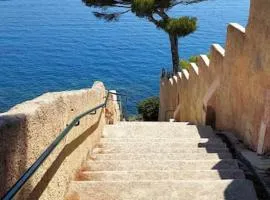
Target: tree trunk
{"x":174,"y":51}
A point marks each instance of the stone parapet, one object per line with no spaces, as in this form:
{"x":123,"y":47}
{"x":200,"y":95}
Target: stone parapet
{"x":28,"y":128}
{"x":229,"y":90}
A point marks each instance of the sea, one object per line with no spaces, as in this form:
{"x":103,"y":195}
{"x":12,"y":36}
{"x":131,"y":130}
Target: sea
{"x":50,"y":45}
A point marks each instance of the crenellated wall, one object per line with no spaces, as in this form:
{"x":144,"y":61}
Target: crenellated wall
{"x":231,"y":91}
{"x":28,"y":128}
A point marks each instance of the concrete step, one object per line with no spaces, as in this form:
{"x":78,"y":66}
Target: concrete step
{"x":153,"y":149}
{"x":160,"y":156}
{"x":162,"y":190}
{"x":161,"y":175}
{"x":145,"y":123}
{"x":161,"y":140}
{"x":125,"y":165}
{"x":158,"y":131}
{"x":123,"y":124}
{"x":160,"y":145}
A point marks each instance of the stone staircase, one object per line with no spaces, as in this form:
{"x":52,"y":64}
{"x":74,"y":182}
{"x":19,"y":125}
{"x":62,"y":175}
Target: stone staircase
{"x":160,"y":160}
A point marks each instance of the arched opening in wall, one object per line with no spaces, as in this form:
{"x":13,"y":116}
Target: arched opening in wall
{"x":210,"y":118}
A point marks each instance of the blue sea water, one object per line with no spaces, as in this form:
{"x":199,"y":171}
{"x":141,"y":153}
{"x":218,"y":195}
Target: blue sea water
{"x":51,"y":45}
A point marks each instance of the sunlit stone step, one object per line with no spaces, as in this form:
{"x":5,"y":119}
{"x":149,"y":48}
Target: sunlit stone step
{"x":168,"y":130}
{"x":125,"y":165}
{"x":160,"y":156}
{"x":167,"y":149}
{"x":160,"y":145}
{"x":161,"y":161}
{"x":146,"y":123}
{"x":161,"y":175}
{"x":165,"y":140}
{"x":162,"y":190}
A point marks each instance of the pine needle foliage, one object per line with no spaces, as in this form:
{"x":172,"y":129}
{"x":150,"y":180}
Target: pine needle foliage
{"x":143,"y":8}
{"x":181,"y":27}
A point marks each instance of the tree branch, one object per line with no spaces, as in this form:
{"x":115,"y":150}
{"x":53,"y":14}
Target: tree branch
{"x":109,"y":16}
{"x":153,"y":20}
{"x":120,"y":6}
{"x":162,"y":14}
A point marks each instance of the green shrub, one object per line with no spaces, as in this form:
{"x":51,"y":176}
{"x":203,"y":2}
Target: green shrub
{"x":185,"y":64}
{"x":193,"y":59}
{"x":148,"y":108}
{"x":135,"y":118}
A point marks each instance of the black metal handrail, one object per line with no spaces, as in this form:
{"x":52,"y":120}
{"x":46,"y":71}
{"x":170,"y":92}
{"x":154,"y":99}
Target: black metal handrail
{"x":30,"y":171}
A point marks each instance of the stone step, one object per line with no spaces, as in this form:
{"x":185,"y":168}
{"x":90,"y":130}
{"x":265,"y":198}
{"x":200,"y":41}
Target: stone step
{"x":145,"y":123}
{"x":162,"y":190}
{"x":159,"y":145}
{"x":165,"y":140}
{"x":157,"y":131}
{"x":123,"y":124}
{"x":161,"y":156}
{"x":167,"y":149}
{"x":125,"y":165}
{"x":161,"y":175}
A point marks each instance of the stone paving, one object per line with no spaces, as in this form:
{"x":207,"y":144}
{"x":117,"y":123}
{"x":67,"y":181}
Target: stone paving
{"x":160,"y":160}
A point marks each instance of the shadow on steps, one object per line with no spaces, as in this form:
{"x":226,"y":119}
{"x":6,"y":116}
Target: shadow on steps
{"x":234,"y":190}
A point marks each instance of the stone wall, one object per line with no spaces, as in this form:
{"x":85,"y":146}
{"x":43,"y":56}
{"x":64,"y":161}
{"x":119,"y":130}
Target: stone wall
{"x":231,"y":91}
{"x":27,"y":129}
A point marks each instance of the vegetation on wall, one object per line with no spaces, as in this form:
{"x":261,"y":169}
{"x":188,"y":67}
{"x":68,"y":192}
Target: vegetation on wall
{"x":185,"y":64}
{"x":148,"y":108}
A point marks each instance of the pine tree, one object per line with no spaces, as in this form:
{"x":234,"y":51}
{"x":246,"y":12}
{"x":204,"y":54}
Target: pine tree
{"x":154,"y":11}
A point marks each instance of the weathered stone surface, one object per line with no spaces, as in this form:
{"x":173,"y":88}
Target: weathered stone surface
{"x":28,"y":128}
{"x":126,"y":165}
{"x":146,"y":167}
{"x":161,"y":175}
{"x":163,"y":190}
{"x":160,"y":156}
{"x":150,"y":130}
{"x":164,"y":140}
{"x":162,"y":145}
{"x":147,"y":149}
{"x":231,"y":92}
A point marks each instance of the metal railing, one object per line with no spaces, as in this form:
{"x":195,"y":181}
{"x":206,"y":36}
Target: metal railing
{"x":30,"y":171}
